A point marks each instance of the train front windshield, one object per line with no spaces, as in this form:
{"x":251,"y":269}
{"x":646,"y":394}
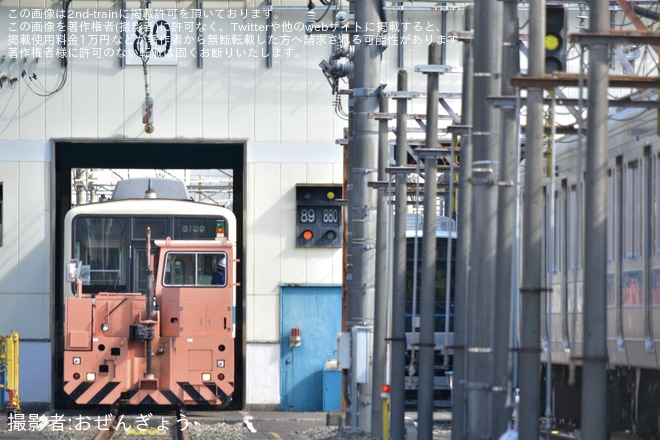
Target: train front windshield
{"x":101,"y":246}
{"x":112,"y":250}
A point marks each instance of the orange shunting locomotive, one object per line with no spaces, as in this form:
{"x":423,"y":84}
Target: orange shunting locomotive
{"x":173,"y":345}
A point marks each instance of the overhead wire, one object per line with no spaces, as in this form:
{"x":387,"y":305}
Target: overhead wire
{"x":32,"y":81}
{"x":35,"y":86}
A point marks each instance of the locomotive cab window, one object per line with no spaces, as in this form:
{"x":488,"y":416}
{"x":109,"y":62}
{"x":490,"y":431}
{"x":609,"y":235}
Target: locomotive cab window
{"x":195,"y":269}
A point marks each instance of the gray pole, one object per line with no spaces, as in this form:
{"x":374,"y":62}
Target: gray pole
{"x":458,"y":397}
{"x":380,"y":303}
{"x":362,"y":164}
{"x":594,"y":384}
{"x":427,"y":313}
{"x":506,"y":201}
{"x":81,"y":194}
{"x":532,"y":234}
{"x":397,"y":390}
{"x":487,"y":59}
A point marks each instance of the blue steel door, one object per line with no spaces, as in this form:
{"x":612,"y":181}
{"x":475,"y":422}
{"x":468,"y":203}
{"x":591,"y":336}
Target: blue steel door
{"x":316,"y":311}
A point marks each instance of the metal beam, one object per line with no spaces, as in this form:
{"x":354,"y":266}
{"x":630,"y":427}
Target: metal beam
{"x":616,"y":36}
{"x":510,"y":102}
{"x":565,"y":79}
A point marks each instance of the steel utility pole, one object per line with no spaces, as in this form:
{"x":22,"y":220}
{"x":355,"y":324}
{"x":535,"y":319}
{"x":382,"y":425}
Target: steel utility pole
{"x":383,"y":276}
{"x":397,"y":410}
{"x":429,"y":252}
{"x":594,"y":383}
{"x":459,"y":403}
{"x":487,"y":60}
{"x":362,"y":166}
{"x":506,"y":271}
{"x":532,"y":235}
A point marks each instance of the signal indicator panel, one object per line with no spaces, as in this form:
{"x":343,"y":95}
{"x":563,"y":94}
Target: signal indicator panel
{"x":318,"y":216}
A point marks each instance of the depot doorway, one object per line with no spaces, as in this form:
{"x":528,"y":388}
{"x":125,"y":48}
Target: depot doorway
{"x":121,"y":154}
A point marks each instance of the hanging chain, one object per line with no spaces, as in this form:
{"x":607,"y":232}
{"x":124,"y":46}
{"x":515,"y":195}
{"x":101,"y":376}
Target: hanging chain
{"x":145,"y":49}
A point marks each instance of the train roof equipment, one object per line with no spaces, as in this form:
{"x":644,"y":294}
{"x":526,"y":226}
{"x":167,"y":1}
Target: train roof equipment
{"x":445,"y":226}
{"x":150,"y":187}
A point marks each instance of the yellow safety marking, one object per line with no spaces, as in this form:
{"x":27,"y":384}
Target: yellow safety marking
{"x":276,"y":435}
{"x":149,"y":432}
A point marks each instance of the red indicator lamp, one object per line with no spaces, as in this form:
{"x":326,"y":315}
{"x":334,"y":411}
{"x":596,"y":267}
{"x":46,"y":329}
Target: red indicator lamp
{"x":307,"y":235}
{"x":385,"y":391}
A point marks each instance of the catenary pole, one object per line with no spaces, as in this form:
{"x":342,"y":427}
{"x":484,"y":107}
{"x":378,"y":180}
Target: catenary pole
{"x":429,"y":252}
{"x":594,"y":383}
{"x":487,"y":59}
{"x":532,"y":234}
{"x":506,"y":202}
{"x":382,"y":275}
{"x":458,"y":419}
{"x":362,"y":166}
{"x":397,"y":390}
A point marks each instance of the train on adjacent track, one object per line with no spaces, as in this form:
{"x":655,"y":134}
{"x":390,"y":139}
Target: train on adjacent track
{"x":445,"y":267}
{"x":633,"y":275}
{"x":150,"y":298}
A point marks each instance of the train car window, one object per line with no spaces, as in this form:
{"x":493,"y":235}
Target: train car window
{"x":556,"y":264}
{"x":618,"y":213}
{"x":656,"y":204}
{"x":158,"y":227}
{"x":645,"y":233}
{"x":140,"y":279}
{"x":611,"y":290}
{"x":563,"y":226}
{"x":572,"y":242}
{"x":100,"y":243}
{"x":655,"y":286}
{"x":611,"y":219}
{"x":632,"y":213}
{"x":195,"y":228}
{"x":632,"y":288}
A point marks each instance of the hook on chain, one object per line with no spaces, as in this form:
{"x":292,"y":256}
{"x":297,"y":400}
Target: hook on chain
{"x":144,"y":52}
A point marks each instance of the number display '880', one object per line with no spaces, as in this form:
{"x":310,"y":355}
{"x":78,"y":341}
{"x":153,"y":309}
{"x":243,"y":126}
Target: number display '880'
{"x":329,"y":215}
{"x":159,"y":35}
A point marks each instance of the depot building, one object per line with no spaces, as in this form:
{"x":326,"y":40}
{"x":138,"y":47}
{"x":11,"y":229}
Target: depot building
{"x":231,"y":86}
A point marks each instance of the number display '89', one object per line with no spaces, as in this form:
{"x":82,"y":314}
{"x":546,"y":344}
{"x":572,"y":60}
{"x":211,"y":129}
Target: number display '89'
{"x":152,"y":40}
{"x":329,"y":215}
